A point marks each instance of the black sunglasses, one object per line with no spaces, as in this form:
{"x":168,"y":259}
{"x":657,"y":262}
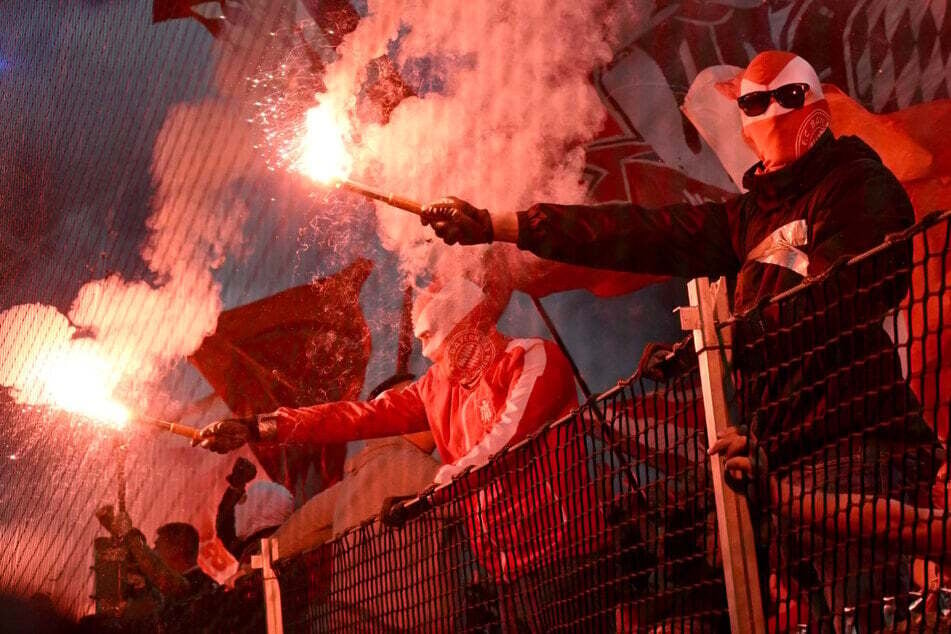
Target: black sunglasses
{"x":788,"y":96}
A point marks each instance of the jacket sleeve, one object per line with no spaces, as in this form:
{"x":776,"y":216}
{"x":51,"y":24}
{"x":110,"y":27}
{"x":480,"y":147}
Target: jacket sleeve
{"x":395,"y":411}
{"x":682,"y":240}
{"x":541,"y":389}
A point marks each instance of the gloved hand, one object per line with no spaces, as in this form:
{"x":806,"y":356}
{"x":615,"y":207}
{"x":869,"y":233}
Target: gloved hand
{"x":389,"y":516}
{"x":227,"y":434}
{"x":457,"y":222}
{"x":119,"y":524}
{"x":242,"y":472}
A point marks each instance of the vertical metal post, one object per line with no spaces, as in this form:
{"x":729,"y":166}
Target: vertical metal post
{"x":272,"y":589}
{"x":120,"y":454}
{"x":709,"y":306}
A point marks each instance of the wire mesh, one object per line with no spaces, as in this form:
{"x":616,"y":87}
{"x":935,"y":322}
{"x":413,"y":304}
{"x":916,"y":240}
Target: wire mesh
{"x":605,"y":520}
{"x":841,"y":394}
{"x":602,"y":521}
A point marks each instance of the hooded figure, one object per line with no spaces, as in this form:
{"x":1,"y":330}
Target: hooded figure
{"x":811,"y":201}
{"x":246,"y":514}
{"x":265,"y":507}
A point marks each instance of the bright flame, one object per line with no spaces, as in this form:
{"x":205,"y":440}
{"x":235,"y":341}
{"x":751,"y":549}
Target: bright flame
{"x":77,"y":380}
{"x":323,"y":154}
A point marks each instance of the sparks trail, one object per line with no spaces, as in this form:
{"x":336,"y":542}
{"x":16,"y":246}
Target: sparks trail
{"x":303,"y":130}
{"x":321,"y":154}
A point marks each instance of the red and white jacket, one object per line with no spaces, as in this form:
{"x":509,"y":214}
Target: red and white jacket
{"x":527,"y":384}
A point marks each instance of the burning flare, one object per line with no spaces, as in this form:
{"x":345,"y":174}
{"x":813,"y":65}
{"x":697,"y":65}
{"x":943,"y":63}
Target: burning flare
{"x":44,"y":362}
{"x":76,"y":380}
{"x":322,"y":153}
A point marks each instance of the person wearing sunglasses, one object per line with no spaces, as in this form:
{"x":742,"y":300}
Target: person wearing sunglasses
{"x":811,"y":200}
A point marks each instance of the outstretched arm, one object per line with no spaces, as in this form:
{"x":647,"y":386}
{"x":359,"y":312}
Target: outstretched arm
{"x":396,"y":411}
{"x":683,"y":240}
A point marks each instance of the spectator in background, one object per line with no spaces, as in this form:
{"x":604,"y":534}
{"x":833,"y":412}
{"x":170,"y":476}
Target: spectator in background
{"x":171,"y":568}
{"x":246,"y":514}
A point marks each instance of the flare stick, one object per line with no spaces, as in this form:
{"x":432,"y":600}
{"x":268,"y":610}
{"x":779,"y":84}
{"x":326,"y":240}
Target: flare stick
{"x":375,"y":194}
{"x":174,"y":428}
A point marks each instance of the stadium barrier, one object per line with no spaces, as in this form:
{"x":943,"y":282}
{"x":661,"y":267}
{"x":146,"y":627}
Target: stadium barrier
{"x":616,"y":519}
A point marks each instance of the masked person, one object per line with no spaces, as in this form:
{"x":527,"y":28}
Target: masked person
{"x":811,"y":200}
{"x":483,"y":392}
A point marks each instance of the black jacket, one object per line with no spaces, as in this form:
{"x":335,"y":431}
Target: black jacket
{"x":848,"y":199}
{"x":815,"y":368}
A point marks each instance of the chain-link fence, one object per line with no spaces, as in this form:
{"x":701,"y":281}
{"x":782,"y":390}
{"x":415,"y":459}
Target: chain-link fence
{"x":603,"y":520}
{"x":606,"y":520}
{"x":843,"y":401}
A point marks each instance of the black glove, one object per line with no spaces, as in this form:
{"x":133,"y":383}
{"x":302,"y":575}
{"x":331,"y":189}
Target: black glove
{"x":242,"y":472}
{"x":395,"y":514}
{"x":228,"y":434}
{"x":457,"y":222}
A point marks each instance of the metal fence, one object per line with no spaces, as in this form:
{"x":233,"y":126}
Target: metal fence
{"x":615,"y":518}
{"x":842,"y":396}
{"x":603,"y":520}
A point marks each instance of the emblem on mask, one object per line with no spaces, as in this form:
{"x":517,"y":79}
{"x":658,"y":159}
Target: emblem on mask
{"x":810,"y":131}
{"x":470,"y":353}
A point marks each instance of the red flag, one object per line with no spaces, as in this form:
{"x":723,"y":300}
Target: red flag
{"x":164,"y":10}
{"x":303,"y":346}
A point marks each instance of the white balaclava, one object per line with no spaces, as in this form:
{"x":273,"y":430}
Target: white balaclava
{"x":265,"y":505}
{"x":436,"y":314}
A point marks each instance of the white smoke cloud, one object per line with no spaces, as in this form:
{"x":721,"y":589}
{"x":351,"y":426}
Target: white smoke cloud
{"x":509,"y":127}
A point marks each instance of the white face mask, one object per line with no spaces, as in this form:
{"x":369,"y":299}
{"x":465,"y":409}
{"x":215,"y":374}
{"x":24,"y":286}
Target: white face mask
{"x":436,"y":315}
